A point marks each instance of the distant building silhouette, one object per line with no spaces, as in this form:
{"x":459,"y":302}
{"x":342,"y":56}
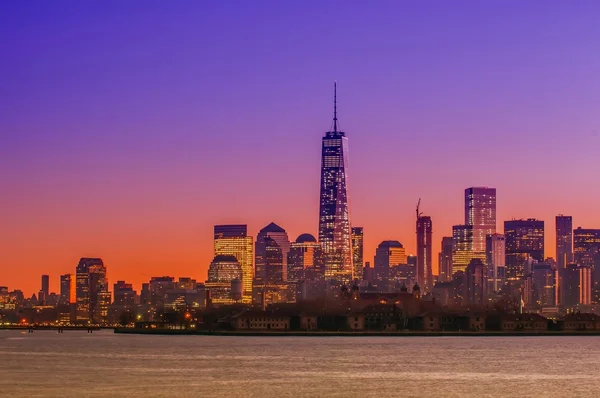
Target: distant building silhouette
{"x":576,"y":285}
{"x":388,"y":254}
{"x":476,"y":282}
{"x":334,"y":217}
{"x":424,"y":253}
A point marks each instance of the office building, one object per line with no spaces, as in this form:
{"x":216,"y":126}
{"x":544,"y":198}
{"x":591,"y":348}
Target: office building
{"x":305,"y":259}
{"x":232,"y":240}
{"x":123,"y":294}
{"x":424,"y":253}
{"x":564,"y":240}
{"x":586,"y":245}
{"x":357,"y":252}
{"x":445,"y":260}
{"x":46,"y":285}
{"x":476,"y":283}
{"x":576,"y":285}
{"x":495,"y":250}
{"x":65,"y":289}
{"x":222,"y":272}
{"x":462,"y":248}
{"x":92,"y":295}
{"x":545,"y":285}
{"x":524,"y":242}
{"x":480,"y":213}
{"x":388,"y":254}
{"x":334,"y":218}
{"x":271,"y":254}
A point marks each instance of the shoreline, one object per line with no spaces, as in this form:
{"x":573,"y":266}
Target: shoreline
{"x":188,"y":332}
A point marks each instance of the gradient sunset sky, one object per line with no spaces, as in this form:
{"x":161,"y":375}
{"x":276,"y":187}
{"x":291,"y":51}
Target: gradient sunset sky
{"x":128,"y":129}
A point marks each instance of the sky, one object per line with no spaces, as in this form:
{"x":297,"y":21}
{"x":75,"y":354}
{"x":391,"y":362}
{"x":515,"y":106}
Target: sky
{"x":128,"y":129}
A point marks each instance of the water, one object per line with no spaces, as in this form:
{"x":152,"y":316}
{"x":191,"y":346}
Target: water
{"x":102,"y":364}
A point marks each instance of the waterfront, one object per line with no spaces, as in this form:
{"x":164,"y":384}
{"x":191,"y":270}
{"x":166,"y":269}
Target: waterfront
{"x":76,"y":364}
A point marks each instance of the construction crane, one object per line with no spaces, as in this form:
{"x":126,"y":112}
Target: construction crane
{"x":419,"y":204}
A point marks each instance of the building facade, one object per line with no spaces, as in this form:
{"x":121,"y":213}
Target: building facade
{"x":424,"y":253}
{"x":91,"y":291}
{"x":495,"y":247}
{"x":564,"y":240}
{"x":271,"y":254}
{"x":358,"y":252}
{"x":445,"y":260}
{"x":480,"y":213}
{"x":233,"y":240}
{"x":524,"y":241}
{"x":223,"y":271}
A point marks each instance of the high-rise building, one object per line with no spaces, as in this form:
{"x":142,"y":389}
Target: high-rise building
{"x":424,"y":253}
{"x":334,"y":219}
{"x":476,"y":282}
{"x":388,"y":254}
{"x":480,"y":212}
{"x":545,"y":285}
{"x":304,"y":259}
{"x":445,"y":260}
{"x":524,"y":241}
{"x":65,"y":289}
{"x":124,"y":295}
{"x":576,"y":285}
{"x":271,"y":254}
{"x":222,"y":272}
{"x":357,"y":252}
{"x":91,"y":291}
{"x":462,"y":248}
{"x":564,"y":240}
{"x":586,"y":245}
{"x":495,"y":249}
{"x":233,"y":240}
{"x":46,"y":285}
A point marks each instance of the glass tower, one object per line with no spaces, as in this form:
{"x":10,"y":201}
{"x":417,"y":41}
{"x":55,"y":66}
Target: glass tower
{"x":564,"y":241}
{"x":334,"y":219}
{"x":357,"y":251}
{"x":233,"y":240}
{"x":524,"y":240}
{"x":424,"y":253}
{"x":480,"y":212}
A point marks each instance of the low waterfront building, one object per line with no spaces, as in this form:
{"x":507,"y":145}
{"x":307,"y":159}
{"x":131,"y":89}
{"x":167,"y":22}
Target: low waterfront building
{"x":524,"y":322}
{"x":577,"y":321}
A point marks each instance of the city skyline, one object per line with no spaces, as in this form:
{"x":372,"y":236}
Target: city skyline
{"x":135,"y":165}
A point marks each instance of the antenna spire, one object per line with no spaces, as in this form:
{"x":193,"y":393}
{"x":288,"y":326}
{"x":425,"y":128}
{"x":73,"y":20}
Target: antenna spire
{"x":335,"y":107}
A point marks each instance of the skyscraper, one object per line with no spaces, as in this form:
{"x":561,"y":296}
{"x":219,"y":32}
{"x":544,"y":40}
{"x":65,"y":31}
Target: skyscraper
{"x":304,"y":259}
{"x":91,"y":290}
{"x":388,"y":254}
{"x":233,"y":240}
{"x":65,"y":289}
{"x":445,"y":260}
{"x":576,"y":285}
{"x":524,"y":241}
{"x":424,"y":253}
{"x":222,"y":272}
{"x":271,"y":254}
{"x":586,"y":246}
{"x":462,"y":247}
{"x":564,"y":240}
{"x":334,"y":218}
{"x":46,"y":285}
{"x":480,"y":212}
{"x":495,"y":249}
{"x":476,"y":282}
{"x":357,"y":252}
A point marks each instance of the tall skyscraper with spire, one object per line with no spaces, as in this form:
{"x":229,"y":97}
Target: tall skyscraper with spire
{"x":334,"y":220}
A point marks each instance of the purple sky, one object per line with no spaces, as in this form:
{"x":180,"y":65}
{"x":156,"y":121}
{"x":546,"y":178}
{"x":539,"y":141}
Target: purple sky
{"x":128,"y":129}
